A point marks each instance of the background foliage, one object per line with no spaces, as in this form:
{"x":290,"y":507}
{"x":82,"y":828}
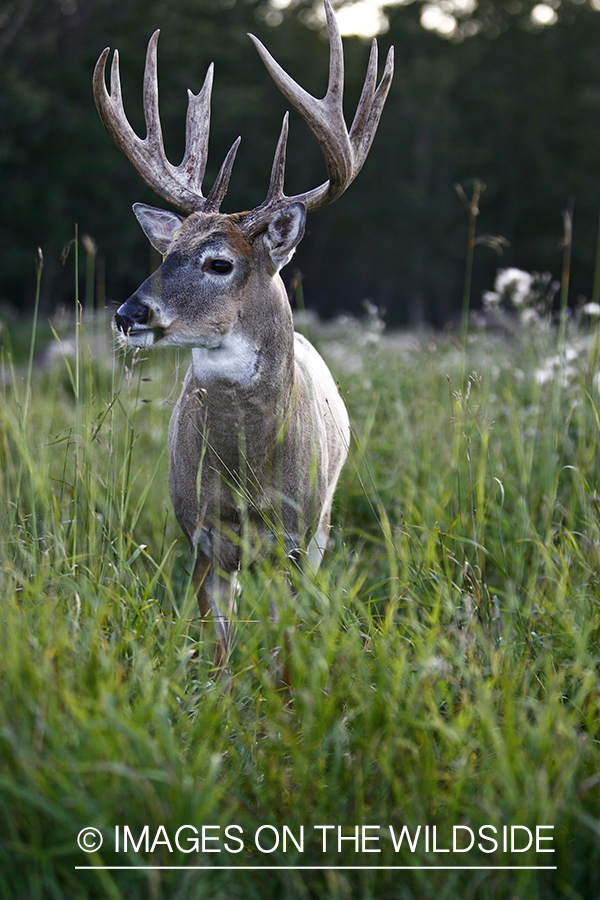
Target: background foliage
{"x":515,"y":105}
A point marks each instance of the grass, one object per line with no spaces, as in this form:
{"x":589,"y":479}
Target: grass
{"x":445,"y":662}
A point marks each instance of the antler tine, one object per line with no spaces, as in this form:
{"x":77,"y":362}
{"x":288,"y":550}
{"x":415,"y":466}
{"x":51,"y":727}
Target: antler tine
{"x":109,"y":106}
{"x":365,"y":103}
{"x":180,"y":186}
{"x":344,"y":152}
{"x":278,"y":168}
{"x":197,"y":128}
{"x":335,"y":85}
{"x":151,"y":115}
{"x":221,"y":183}
{"x":362,"y":132}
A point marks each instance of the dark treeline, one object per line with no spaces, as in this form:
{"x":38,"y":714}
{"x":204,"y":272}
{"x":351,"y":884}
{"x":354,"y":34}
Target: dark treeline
{"x":514,"y":106}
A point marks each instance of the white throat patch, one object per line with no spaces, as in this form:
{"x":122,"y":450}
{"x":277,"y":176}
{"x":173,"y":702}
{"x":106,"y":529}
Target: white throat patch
{"x":235,"y":360}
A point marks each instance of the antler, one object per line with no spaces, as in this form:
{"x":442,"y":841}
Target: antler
{"x":181,"y":185}
{"x":344,"y":152}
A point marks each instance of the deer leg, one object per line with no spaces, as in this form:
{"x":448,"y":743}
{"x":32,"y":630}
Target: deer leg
{"x":216,"y":597}
{"x":317,"y":546}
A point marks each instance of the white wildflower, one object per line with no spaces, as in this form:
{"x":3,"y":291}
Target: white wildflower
{"x":491,"y":299}
{"x":554,"y":367}
{"x":591,"y":309}
{"x":516,"y":284}
{"x":543,"y":376}
{"x":571,"y":353}
{"x":529,"y":315}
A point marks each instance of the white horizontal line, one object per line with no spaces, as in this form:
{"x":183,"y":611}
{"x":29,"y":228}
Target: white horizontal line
{"x":327,"y":868}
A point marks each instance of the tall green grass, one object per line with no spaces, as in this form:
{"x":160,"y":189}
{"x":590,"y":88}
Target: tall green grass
{"x":444,"y":663}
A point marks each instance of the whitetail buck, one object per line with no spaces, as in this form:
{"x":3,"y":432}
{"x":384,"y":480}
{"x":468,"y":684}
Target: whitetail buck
{"x":260,"y":433}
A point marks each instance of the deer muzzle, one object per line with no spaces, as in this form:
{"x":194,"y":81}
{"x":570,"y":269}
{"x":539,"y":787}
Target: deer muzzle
{"x":132,"y":324}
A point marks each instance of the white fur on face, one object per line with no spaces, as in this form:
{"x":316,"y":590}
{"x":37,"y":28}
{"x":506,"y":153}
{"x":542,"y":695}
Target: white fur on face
{"x":141,"y":337}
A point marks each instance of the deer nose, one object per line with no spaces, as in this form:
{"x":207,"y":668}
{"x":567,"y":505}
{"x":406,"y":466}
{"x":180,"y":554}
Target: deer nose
{"x":130,"y":315}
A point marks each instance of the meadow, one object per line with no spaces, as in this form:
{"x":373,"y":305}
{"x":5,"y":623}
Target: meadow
{"x":444,"y":663}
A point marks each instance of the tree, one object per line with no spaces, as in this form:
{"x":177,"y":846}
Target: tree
{"x":505,"y":100}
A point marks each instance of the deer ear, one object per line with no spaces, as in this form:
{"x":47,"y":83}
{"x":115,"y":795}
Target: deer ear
{"x":284,"y":233}
{"x":159,"y":225}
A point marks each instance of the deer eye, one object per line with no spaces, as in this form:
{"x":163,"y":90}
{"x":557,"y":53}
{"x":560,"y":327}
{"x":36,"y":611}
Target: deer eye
{"x":218,"y":266}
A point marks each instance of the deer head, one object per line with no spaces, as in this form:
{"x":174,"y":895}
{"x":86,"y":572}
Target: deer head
{"x":233,"y":237}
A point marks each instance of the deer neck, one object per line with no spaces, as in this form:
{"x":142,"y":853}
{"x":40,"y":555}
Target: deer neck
{"x":249,"y":376}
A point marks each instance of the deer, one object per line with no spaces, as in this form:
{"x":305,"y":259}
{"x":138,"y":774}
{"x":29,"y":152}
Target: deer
{"x":260,"y":432}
